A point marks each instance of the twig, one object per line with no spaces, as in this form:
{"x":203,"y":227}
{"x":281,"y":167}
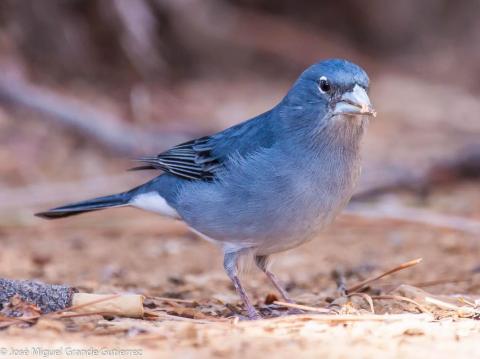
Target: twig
{"x":441,"y":303}
{"x":302,"y":307}
{"x":163,"y":315}
{"x":402,"y":266}
{"x":77,"y":315}
{"x":464,"y":311}
{"x":175,"y":300}
{"x":343,"y":318}
{"x":401,"y":298}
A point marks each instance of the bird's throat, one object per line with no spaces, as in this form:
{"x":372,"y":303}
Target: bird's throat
{"x":340,"y":133}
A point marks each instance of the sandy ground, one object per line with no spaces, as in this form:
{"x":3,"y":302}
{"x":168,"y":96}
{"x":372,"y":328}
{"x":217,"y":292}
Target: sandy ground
{"x":126,"y":250}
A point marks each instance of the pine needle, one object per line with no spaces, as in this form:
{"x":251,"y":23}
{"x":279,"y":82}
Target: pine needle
{"x":402,"y":266}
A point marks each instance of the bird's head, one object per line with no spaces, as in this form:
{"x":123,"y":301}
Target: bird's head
{"x":330,"y":89}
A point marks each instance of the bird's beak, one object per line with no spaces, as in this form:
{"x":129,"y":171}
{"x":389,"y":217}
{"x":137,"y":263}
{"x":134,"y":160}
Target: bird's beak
{"x":355,"y":102}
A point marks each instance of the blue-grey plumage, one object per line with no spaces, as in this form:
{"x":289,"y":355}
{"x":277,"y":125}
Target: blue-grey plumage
{"x":267,"y":184}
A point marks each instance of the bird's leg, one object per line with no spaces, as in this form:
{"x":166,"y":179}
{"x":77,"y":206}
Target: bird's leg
{"x":230,"y":263}
{"x":262,"y":263}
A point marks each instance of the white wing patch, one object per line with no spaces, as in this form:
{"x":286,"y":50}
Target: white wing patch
{"x":153,"y":202}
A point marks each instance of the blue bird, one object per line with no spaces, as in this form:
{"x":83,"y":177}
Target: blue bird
{"x":265,"y":185}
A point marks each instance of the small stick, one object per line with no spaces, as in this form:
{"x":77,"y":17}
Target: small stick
{"x":441,"y":304}
{"x":402,"y":266}
{"x":344,"y":318}
{"x":162,"y":315}
{"x":174,"y":300}
{"x":405,"y":299}
{"x":463,"y":311}
{"x":302,"y":307}
{"x":76,"y":315}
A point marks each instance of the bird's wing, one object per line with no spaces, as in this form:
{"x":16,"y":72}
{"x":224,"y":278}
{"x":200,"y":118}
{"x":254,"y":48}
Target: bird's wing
{"x":201,"y":158}
{"x":191,"y":160}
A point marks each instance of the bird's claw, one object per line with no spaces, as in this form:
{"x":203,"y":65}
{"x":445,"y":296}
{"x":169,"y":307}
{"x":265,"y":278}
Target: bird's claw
{"x":254,"y":315}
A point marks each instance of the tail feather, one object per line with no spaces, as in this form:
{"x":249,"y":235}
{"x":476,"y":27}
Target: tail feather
{"x":95,"y":204}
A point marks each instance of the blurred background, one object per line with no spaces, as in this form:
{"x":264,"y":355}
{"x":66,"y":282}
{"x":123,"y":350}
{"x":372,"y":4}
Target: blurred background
{"x":87,"y":85}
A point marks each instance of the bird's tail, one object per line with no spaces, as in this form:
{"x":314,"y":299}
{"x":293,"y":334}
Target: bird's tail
{"x":116,"y":200}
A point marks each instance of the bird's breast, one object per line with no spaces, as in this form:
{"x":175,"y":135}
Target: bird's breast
{"x":322,"y":188}
{"x":313,"y":190}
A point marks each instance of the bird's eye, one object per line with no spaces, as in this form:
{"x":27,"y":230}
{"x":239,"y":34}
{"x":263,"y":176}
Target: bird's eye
{"x":323,"y":84}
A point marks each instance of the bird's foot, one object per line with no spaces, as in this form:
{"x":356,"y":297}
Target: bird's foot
{"x":250,"y":316}
{"x":253,"y":314}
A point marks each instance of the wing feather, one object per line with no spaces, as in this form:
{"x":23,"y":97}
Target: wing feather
{"x":191,"y":160}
